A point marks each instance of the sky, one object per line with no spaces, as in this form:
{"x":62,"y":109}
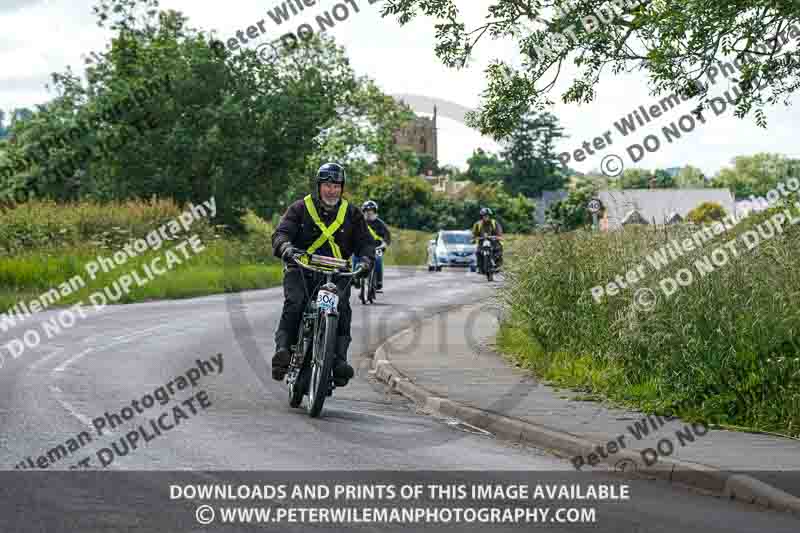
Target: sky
{"x":44,"y":36}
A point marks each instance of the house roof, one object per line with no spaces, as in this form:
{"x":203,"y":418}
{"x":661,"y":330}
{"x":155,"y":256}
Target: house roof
{"x":660,"y":204}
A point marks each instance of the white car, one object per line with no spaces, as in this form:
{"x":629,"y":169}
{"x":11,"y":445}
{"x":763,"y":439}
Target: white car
{"x":452,"y":249}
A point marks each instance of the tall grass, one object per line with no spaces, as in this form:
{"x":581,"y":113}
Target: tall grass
{"x":725,"y":347}
{"x":46,"y":244}
{"x":409,"y":247}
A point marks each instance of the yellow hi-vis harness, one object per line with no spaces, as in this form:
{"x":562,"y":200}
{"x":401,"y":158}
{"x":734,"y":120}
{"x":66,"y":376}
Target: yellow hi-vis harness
{"x":476,"y":228}
{"x":374,"y":235}
{"x":327,"y":231}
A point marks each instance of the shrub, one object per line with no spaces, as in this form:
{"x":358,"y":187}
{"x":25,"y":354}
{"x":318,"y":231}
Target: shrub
{"x":706,"y":212}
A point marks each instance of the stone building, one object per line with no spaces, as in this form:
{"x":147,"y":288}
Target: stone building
{"x":419,"y":135}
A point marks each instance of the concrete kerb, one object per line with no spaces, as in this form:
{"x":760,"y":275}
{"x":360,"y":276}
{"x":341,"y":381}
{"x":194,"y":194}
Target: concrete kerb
{"x":565,"y":445}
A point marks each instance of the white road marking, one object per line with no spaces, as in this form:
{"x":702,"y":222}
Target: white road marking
{"x":122,"y":339}
{"x":36,"y":364}
{"x":71,"y":410}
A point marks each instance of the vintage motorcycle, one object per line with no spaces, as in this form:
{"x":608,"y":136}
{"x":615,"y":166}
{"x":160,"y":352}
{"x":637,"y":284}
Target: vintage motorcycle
{"x":369,"y":287}
{"x":487,"y":260}
{"x":311,"y":365}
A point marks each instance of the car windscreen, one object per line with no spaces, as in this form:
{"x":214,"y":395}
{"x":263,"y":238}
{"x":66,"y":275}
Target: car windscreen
{"x":457,"y":238}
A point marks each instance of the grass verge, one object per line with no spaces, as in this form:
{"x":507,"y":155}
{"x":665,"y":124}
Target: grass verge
{"x":724,"y":348}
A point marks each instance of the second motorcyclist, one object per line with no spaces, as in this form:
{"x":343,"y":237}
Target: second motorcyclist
{"x":380,"y":232}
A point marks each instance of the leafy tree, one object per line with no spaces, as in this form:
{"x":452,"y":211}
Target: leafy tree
{"x":637,"y":178}
{"x":453,"y":172}
{"x":572,"y":212}
{"x":397,"y":197}
{"x":20,"y":114}
{"x":672,"y":41}
{"x":663,"y":179}
{"x":634,"y":178}
{"x":531,"y":152}
{"x":360,"y":133}
{"x":690,"y":178}
{"x":484,"y":167}
{"x":409,"y":202}
{"x":243,"y":130}
{"x":706,"y":212}
{"x":756,"y":174}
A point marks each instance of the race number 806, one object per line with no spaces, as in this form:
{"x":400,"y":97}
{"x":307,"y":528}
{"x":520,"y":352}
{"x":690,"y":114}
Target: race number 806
{"x":327,"y":301}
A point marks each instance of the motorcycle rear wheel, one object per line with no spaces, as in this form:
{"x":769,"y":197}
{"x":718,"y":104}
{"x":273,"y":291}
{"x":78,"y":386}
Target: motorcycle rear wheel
{"x":298,"y":389}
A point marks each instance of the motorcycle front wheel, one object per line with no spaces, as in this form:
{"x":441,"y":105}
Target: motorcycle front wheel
{"x":322,"y":363}
{"x":371,"y":292}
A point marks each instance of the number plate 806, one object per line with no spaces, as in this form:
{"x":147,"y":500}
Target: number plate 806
{"x":327,"y":301}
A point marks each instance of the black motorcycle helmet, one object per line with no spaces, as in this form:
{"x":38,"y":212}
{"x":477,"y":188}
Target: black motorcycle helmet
{"x":331,"y":173}
{"x":370,"y":205}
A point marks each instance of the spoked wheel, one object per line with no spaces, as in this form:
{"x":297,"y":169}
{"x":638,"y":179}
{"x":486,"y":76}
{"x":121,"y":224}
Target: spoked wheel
{"x":371,"y":292}
{"x":298,"y":389}
{"x":362,"y":295}
{"x":322,"y":364}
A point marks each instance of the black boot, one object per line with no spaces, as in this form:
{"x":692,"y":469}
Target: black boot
{"x":282,"y":357}
{"x":280,"y":363}
{"x":342,"y":371}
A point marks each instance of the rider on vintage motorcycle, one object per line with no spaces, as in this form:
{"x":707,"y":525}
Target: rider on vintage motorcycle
{"x":487,"y":225}
{"x":326,"y":224}
{"x":380,"y":232}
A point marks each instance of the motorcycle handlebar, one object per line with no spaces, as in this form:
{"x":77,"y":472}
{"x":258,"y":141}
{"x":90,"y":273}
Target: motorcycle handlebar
{"x":337,"y":272}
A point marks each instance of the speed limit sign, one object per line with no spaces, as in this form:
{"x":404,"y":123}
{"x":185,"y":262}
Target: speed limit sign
{"x":594,"y":205}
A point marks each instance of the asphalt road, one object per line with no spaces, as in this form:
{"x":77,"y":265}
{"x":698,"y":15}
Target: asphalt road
{"x":50,"y":394}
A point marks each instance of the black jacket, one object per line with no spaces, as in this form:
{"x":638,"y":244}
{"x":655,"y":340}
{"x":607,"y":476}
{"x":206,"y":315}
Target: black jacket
{"x":297,"y":227}
{"x":380,"y":227}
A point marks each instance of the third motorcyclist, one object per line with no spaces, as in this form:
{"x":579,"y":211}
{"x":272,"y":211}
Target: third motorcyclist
{"x":487,"y":225}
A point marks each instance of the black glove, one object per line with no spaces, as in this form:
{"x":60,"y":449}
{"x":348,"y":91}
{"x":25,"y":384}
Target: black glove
{"x":364,"y":266}
{"x":287,"y":250}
